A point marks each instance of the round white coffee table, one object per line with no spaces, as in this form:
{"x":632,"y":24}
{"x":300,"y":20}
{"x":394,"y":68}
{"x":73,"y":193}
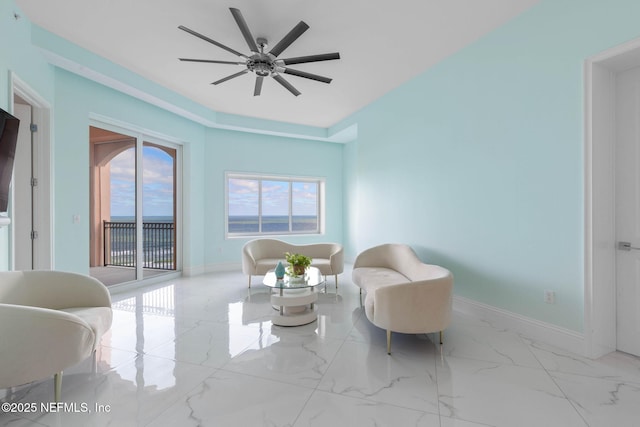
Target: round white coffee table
{"x":295,"y":297}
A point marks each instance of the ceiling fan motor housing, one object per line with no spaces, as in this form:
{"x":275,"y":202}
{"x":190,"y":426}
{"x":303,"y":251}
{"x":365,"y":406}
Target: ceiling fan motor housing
{"x":262,"y":64}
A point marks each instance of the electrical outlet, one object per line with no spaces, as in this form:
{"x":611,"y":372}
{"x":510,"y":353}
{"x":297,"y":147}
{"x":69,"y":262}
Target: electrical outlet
{"x":550,"y":297}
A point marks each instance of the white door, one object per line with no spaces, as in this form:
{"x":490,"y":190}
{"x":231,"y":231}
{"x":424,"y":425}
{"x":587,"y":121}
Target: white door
{"x":628,"y":210}
{"x":22,"y":192}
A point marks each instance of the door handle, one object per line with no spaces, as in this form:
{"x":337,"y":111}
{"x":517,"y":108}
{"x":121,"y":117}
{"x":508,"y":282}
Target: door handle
{"x":626,"y":246}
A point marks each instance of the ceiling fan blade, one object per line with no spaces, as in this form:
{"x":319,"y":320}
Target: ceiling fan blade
{"x":307,"y":75}
{"x":244,"y":28}
{"x":289,"y":38}
{"x":232,"y":76}
{"x":212,"y":61}
{"x":207,"y":39}
{"x":286,"y":84}
{"x":311,"y":58}
{"x":258,"y":88}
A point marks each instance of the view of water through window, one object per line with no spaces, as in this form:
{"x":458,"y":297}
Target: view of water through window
{"x":272,"y":206}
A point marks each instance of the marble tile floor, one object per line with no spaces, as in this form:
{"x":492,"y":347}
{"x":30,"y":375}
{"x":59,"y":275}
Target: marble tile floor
{"x":202,"y":352}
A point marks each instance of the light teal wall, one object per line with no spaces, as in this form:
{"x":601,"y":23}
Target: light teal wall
{"x":17,"y":55}
{"x":207,"y":153}
{"x":76,"y":99}
{"x":478,"y":162}
{"x":228,"y":151}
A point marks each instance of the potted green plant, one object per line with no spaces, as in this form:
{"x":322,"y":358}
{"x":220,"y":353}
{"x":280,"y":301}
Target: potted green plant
{"x":298,"y":263}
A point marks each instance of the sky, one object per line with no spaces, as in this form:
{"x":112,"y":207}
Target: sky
{"x":243,"y":197}
{"x":157,"y":183}
{"x":158,"y":189}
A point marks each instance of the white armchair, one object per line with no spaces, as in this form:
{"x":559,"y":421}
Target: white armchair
{"x":49,"y":321}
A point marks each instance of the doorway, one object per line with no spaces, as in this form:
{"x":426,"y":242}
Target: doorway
{"x":31,"y":229}
{"x":24,"y":234}
{"x":133,"y":206}
{"x":627,"y":208}
{"x":605,"y":308}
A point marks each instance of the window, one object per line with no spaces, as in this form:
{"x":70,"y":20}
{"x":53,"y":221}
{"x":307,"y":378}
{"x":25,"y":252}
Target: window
{"x":260,"y":204}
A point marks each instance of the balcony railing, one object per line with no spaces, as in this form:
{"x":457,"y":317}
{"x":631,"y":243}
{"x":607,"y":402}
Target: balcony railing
{"x":158,"y":244}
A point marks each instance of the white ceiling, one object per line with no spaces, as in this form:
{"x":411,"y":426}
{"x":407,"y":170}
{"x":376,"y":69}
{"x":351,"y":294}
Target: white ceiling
{"x":382,"y":44}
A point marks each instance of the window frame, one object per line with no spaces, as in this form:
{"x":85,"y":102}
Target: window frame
{"x":290,"y":179}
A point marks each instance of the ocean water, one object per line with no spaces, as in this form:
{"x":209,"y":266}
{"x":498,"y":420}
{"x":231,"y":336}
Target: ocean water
{"x":144,"y":219}
{"x":272,"y":224}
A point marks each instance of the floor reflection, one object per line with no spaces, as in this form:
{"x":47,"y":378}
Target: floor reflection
{"x":152,"y":312}
{"x":203,"y":351}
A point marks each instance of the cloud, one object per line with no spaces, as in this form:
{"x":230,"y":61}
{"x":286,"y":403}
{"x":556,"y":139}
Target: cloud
{"x":243,"y":197}
{"x":158,"y":183}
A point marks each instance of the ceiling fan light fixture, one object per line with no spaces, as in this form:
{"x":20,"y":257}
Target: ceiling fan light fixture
{"x":265,"y":64}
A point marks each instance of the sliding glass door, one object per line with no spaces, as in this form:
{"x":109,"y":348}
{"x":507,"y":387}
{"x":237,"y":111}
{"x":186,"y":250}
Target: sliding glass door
{"x":134,"y":200}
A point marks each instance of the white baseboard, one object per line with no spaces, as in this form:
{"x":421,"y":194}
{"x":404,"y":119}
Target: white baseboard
{"x":211,"y":268}
{"x":130,"y":286}
{"x":193,"y":271}
{"x":527,"y":327}
{"x":223,"y":267}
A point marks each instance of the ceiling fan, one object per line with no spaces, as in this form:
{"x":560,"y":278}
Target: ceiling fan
{"x":265,"y":64}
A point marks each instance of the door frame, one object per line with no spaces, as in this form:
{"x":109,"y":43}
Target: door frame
{"x":599,"y":195}
{"x":44,"y":215}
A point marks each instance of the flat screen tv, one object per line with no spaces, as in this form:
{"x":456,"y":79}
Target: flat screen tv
{"x":8,"y":139}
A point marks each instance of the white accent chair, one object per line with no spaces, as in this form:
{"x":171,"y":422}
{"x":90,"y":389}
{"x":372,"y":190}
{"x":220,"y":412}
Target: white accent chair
{"x":49,"y":321}
{"x":259,"y":256}
{"x":403,"y":294}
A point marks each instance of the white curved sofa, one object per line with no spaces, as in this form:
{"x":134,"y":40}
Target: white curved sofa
{"x":49,"y":321}
{"x":261,"y":255}
{"x":403,"y":294}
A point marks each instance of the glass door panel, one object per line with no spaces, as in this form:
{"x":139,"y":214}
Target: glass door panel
{"x":158,"y":209}
{"x":113,"y":238}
